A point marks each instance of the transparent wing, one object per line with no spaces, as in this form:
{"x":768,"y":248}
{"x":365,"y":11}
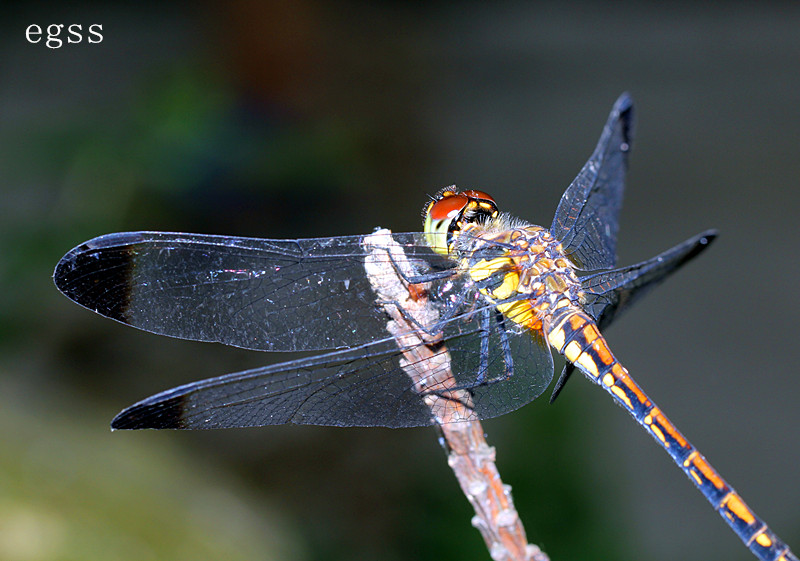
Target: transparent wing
{"x":434,"y":342}
{"x":355,"y":387}
{"x":587,"y":217}
{"x":610,"y":293}
{"x":377,"y":384}
{"x":260,"y":294}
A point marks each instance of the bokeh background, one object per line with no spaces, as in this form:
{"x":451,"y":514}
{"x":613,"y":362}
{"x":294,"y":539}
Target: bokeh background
{"x":300,"y":118}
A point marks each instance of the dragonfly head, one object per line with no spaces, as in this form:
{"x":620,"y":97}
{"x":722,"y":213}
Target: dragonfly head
{"x":450,"y":211}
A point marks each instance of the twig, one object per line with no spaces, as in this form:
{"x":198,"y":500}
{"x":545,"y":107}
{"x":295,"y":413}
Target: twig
{"x":426,"y":361}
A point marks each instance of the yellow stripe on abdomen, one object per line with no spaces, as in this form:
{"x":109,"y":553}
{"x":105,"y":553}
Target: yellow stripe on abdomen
{"x":575,"y":335}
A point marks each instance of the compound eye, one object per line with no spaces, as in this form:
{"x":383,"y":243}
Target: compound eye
{"x":448,"y":207}
{"x":484,"y":204}
{"x":480,"y":195}
{"x":439,"y":218}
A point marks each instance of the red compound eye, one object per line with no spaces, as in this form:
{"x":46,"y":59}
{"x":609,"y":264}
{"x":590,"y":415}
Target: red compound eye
{"x":480,"y":195}
{"x":448,"y":207}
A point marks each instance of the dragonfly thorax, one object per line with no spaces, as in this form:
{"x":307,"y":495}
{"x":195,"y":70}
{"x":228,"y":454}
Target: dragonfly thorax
{"x":519,"y":267}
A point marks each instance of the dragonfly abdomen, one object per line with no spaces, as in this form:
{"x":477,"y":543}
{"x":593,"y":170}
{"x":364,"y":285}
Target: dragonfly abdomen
{"x":575,"y":335}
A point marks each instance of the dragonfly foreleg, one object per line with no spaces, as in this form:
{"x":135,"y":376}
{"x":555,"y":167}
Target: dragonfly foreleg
{"x":422,"y":278}
{"x":433,"y":330}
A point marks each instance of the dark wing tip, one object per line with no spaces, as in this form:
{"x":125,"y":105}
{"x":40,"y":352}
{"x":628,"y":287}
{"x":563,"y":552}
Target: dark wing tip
{"x":623,"y":109}
{"x":156,"y":412}
{"x":624,"y":102}
{"x":705,"y":238}
{"x":97,"y":274}
{"x":701,"y":243}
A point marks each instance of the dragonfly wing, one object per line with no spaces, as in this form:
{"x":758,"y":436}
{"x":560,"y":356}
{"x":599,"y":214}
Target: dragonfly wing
{"x":610,"y":293}
{"x":260,"y":294}
{"x":587,"y":217}
{"x":518,"y":369}
{"x":377,"y":384}
{"x":566,"y":372}
{"x":354,"y":387}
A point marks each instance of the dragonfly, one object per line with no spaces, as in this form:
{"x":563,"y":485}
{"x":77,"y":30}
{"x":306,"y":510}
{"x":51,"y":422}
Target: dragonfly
{"x":450,"y":324}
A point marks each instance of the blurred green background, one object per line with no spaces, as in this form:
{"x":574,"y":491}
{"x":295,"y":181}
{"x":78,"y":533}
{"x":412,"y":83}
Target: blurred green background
{"x":290,"y":119}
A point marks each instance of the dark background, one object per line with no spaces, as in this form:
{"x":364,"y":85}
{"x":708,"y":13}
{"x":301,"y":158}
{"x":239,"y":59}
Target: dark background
{"x":297,"y":119}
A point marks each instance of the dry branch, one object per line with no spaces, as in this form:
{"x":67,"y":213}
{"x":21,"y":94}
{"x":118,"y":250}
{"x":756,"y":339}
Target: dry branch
{"x":427,"y":362}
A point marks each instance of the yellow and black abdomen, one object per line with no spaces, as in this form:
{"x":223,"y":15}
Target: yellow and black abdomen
{"x":575,"y":335}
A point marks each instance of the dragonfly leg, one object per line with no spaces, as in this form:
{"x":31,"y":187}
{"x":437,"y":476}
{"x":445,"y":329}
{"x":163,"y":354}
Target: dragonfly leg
{"x":505,"y":344}
{"x":486,"y":327}
{"x":505,"y":347}
{"x":420,"y":278}
{"x":485,"y":331}
{"x":435,"y":329}
{"x":408,"y":316}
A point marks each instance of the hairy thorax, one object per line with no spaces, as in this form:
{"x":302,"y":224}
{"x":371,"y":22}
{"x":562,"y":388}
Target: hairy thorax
{"x":519,"y":267}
